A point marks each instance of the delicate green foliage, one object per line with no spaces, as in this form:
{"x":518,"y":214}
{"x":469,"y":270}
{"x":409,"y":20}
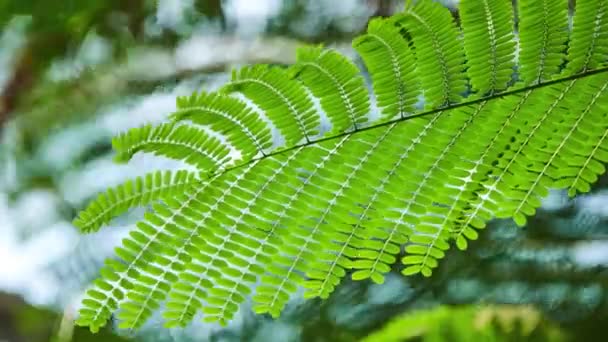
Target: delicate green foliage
{"x":187,"y":143}
{"x":284,"y":103}
{"x":133,"y":193}
{"x":337,"y":82}
{"x":487,"y":26}
{"x":396,"y":87}
{"x":298,"y":194}
{"x":543,"y":31}
{"x":470,"y":323}
{"x":589,"y":42}
{"x":439,"y":55}
{"x":222,"y":113}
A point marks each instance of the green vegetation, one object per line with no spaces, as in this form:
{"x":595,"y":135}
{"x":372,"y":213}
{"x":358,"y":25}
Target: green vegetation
{"x":333,"y":190}
{"x":469,"y":323}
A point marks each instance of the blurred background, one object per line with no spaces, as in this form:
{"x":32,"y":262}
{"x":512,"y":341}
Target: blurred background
{"x":75,"y":72}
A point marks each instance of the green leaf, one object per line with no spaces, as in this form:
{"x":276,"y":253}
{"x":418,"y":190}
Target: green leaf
{"x":286,"y":201}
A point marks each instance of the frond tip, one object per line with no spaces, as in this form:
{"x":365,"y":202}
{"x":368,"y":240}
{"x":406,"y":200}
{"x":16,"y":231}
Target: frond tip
{"x":184,"y":143}
{"x":133,"y":193}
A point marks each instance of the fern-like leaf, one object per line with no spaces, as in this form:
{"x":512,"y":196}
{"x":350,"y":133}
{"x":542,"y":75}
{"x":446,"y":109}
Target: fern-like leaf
{"x":439,"y":56}
{"x":227,"y":116}
{"x":543,"y":33}
{"x":588,"y":42}
{"x":338,"y":84}
{"x":313,"y":205}
{"x":133,"y":193}
{"x":185,"y":143}
{"x":284,"y":103}
{"x":396,"y":87}
{"x":488,"y":41}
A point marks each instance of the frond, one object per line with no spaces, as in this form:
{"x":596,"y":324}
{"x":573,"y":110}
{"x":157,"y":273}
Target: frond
{"x":588,"y":43}
{"x":133,"y":193}
{"x":337,"y":83}
{"x":229,"y":117}
{"x":314,"y":206}
{"x":487,"y":26}
{"x":439,"y":55}
{"x":185,"y":143}
{"x":593,"y":156}
{"x":284,"y":103}
{"x":543,"y":31}
{"x":220,"y":257}
{"x":396,"y":87}
{"x":553,"y":150}
{"x":148,"y":258}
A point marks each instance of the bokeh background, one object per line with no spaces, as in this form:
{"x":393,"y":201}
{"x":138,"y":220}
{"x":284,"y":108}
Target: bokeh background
{"x":74,"y":73}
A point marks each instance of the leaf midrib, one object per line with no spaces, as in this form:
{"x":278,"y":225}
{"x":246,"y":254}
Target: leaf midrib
{"x":515,"y":91}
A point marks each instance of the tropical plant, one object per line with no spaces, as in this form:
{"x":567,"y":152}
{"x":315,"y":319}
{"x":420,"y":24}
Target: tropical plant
{"x":304,"y":177}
